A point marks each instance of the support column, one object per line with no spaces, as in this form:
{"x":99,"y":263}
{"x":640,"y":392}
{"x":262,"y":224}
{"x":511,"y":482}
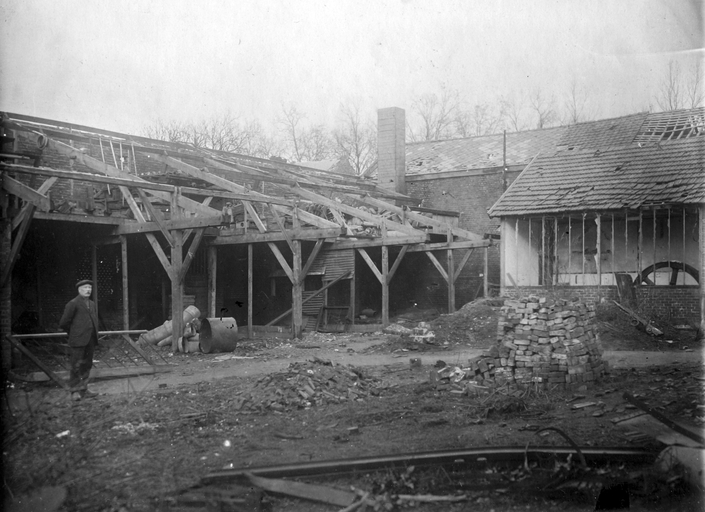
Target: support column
{"x":125,"y":284}
{"x":177,"y":298}
{"x":250,"y":276}
{"x":598,"y":261}
{"x":385,"y":285}
{"x":701,"y":242}
{"x":451,"y":275}
{"x":297,"y":290}
{"x":212,"y":256}
{"x":485,"y":282}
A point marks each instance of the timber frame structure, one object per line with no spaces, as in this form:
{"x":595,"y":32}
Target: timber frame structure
{"x":181,"y":197}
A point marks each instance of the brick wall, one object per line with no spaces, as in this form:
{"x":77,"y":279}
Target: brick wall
{"x":391,"y":155}
{"x":471,"y":196}
{"x":669,"y":303}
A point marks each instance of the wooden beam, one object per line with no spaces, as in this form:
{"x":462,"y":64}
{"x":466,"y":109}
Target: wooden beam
{"x":16,"y":246}
{"x":297,"y":291}
{"x":125,"y":284}
{"x":282,"y":261}
{"x":84,"y":176}
{"x":19,"y":346}
{"x":255,"y":217}
{"x":212,"y":268}
{"x":238,"y":196}
{"x":371,"y":264}
{"x":157,"y":216}
{"x":177,"y":298}
{"x":43,"y":189}
{"x":191,"y":253}
{"x":307,"y":217}
{"x":397,"y":261}
{"x":206,"y":202}
{"x":445,"y":246}
{"x":279,"y":222}
{"x":417,"y":217}
{"x":379,"y":242}
{"x":351,"y":210}
{"x":82,"y":218}
{"x":186,"y":223}
{"x":249,"y":238}
{"x":311,"y":259}
{"x":250,"y":295}
{"x":109,"y":170}
{"x":310,"y":297}
{"x":28,"y":194}
{"x":385,"y":285}
{"x":438,"y":265}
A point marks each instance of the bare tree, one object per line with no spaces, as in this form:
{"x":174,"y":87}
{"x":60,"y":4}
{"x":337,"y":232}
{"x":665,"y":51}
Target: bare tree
{"x":304,"y":143}
{"x":670,"y":96}
{"x":694,"y":86}
{"x":437,"y":115}
{"x":576,"y":107}
{"x":355,"y":138}
{"x":481,"y":119}
{"x":544,"y":108}
{"x":513,"y":113}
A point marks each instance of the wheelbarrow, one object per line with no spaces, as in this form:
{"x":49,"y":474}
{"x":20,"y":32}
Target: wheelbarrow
{"x":639,"y":321}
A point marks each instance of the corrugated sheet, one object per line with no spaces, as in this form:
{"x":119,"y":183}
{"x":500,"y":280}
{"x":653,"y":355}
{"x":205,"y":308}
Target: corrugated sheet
{"x":611,"y":178}
{"x":333,"y":264}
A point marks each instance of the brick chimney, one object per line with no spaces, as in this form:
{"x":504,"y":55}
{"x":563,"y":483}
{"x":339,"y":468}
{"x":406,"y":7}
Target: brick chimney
{"x":391,"y":151}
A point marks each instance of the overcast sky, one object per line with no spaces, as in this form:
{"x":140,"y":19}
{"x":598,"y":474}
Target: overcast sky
{"x":120,"y":65}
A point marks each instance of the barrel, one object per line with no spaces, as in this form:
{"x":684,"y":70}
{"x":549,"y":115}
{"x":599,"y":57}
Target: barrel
{"x":218,"y":335}
{"x":164,"y":331}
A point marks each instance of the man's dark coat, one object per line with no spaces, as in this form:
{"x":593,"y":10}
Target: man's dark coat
{"x":80,"y":320}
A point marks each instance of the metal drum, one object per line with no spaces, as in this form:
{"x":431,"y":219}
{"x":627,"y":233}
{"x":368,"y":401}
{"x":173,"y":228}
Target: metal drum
{"x":218,"y":335}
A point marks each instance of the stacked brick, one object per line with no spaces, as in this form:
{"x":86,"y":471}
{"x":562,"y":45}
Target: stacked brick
{"x":541,"y":341}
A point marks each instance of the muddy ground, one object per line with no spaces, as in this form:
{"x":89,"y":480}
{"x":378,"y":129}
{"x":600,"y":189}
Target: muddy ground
{"x":141,"y":448}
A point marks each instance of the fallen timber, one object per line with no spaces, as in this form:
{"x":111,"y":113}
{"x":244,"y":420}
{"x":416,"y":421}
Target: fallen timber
{"x":467,"y":458}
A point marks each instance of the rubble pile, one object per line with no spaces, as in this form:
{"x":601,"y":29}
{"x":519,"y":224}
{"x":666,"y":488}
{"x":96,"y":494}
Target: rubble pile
{"x":547,"y":342}
{"x":307,"y":384}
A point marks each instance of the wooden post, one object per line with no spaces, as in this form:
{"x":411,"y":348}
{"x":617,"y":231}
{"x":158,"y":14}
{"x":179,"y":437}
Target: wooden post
{"x":125,"y":284}
{"x":6,"y":295}
{"x":212,"y":256}
{"x":598,"y":261}
{"x":297,"y":290}
{"x":385,"y":285}
{"x":451,"y":275}
{"x":701,"y":240}
{"x":177,"y":299}
{"x":94,"y":277}
{"x":485,"y":282}
{"x":250,"y":276}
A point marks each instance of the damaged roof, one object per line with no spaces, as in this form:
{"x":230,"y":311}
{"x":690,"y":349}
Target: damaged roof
{"x":608,"y":178}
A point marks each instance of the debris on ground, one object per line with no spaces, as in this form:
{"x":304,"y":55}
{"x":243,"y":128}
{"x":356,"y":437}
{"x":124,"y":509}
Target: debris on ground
{"x":308,"y":384}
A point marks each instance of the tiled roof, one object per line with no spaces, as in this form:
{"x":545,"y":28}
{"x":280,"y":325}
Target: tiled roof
{"x":603,"y":133}
{"x":479,"y":152}
{"x":608,"y":178}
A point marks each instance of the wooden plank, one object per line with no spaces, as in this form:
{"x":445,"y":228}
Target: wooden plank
{"x":379,"y":242}
{"x":462,"y":263}
{"x":255,"y":217}
{"x":177,"y":298}
{"x":19,"y":346}
{"x":397,"y":262}
{"x":312,"y":492}
{"x":28,"y":194}
{"x":453,"y":245}
{"x":84,"y":176}
{"x":279,"y":222}
{"x":297,"y":290}
{"x":82,"y":218}
{"x":101,"y":373}
{"x":16,"y":246}
{"x":370,"y":264}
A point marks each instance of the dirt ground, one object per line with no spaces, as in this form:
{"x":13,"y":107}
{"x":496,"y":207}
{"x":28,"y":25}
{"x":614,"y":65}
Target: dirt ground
{"x":339,"y":396}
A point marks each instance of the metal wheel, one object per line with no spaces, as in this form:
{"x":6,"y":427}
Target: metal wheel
{"x":675,"y":266}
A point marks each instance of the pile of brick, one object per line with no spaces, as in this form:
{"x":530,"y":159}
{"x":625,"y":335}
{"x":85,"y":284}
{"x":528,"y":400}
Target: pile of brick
{"x":546,"y":342}
{"x":307,"y":384}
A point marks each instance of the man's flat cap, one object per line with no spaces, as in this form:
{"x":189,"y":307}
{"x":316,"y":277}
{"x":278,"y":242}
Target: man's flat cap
{"x":84,"y":281}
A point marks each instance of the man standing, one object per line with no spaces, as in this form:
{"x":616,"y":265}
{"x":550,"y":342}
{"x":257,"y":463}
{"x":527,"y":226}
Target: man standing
{"x":80,"y":321}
